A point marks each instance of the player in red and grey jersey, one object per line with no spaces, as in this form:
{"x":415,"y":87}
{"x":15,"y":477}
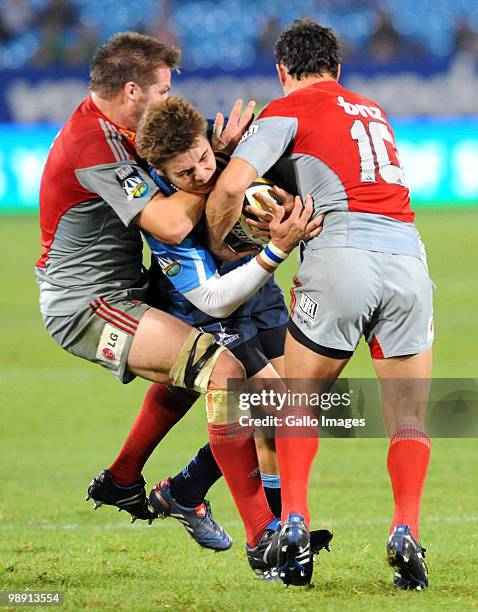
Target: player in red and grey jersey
{"x":366,"y":274}
{"x":95,"y":197}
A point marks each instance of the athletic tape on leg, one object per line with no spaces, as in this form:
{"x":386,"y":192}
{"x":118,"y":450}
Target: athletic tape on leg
{"x":198,"y":346}
{"x":223,"y":413}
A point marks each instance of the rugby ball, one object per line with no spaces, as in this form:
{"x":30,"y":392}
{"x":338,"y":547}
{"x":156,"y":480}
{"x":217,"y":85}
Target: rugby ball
{"x":241,"y":233}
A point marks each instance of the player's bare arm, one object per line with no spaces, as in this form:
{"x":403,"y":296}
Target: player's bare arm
{"x":224,"y":205}
{"x":171,"y":219}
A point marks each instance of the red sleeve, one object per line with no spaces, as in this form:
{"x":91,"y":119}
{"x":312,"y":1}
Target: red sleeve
{"x":94,"y":141}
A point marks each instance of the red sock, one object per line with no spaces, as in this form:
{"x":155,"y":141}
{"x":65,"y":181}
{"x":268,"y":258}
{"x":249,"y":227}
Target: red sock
{"x":296,"y":449}
{"x":162,"y":408}
{"x":235,"y":452}
{"x":407,"y":463}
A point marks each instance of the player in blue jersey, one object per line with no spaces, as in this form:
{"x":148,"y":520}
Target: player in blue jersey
{"x":238,"y":301}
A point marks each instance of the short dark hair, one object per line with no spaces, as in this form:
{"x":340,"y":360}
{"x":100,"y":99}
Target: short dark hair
{"x":129,"y":56}
{"x":168,"y":128}
{"x":306,"y":49}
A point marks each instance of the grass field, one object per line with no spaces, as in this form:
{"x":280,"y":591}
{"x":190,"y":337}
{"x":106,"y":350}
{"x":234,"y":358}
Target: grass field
{"x":62,"y":420}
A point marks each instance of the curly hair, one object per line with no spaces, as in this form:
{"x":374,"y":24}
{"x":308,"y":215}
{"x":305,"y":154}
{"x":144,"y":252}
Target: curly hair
{"x":307,"y":49}
{"x":168,"y":128}
{"x":129,"y":56}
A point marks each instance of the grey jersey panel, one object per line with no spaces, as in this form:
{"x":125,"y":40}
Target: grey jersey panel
{"x":370,"y":232}
{"x":276,"y":134}
{"x":323,"y":184}
{"x":93,"y":253}
{"x":107,"y":181}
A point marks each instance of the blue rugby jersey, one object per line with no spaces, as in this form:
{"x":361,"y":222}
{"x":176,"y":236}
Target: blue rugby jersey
{"x":185,"y":266}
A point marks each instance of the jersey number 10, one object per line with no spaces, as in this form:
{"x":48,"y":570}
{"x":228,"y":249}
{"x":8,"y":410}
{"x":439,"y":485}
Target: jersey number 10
{"x":373,"y":153}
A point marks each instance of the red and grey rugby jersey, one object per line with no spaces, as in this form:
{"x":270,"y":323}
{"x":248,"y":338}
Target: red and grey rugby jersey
{"x":92,"y":187}
{"x":338,"y":146}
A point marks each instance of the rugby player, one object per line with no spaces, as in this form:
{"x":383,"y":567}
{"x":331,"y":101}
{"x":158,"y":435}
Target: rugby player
{"x":96,"y":195}
{"x":366,"y":274}
{"x":238,"y":303}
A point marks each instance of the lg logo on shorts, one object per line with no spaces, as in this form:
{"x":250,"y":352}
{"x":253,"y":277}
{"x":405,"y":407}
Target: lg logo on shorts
{"x":111,"y":345}
{"x":308,"y":306}
{"x":108,"y":354}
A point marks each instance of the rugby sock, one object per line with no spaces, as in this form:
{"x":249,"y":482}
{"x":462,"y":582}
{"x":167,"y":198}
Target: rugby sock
{"x":407,"y":463}
{"x":235,"y":452}
{"x":271,"y":484}
{"x":190,"y":486}
{"x":296,"y":448}
{"x":162,"y":408}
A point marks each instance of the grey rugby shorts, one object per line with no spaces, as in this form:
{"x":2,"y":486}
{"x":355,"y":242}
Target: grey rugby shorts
{"x":101,"y":333}
{"x":344,"y":293}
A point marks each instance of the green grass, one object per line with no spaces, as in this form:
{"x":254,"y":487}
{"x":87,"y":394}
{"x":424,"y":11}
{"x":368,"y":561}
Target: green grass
{"x":63,"y":419}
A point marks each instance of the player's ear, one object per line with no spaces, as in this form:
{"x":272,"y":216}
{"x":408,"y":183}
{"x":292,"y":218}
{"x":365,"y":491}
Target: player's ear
{"x":130,"y":90}
{"x":281,"y":73}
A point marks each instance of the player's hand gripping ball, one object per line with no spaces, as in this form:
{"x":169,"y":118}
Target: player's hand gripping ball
{"x":241,"y":233}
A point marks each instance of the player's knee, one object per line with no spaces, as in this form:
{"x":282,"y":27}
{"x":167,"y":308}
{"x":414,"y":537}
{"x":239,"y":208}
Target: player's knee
{"x":227,"y":367}
{"x":195,"y":362}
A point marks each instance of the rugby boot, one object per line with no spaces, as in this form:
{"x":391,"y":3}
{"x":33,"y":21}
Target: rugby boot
{"x":407,"y":558}
{"x":132,"y":498}
{"x":295,"y":561}
{"x":320,"y":539}
{"x":197,"y":521}
{"x":263,"y":557}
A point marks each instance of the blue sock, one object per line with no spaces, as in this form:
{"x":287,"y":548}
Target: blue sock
{"x":271,"y":484}
{"x":190,"y":486}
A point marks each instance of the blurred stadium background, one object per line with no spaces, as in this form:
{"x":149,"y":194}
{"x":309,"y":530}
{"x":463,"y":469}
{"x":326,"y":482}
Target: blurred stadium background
{"x":62,"y":420}
{"x":418,"y":59}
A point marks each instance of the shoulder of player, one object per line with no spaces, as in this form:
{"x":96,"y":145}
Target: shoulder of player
{"x":101,"y":138}
{"x":279,"y":107}
{"x":86,"y":127}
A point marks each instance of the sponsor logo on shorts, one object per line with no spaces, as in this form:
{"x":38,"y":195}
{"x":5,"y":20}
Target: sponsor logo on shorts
{"x":133,"y":185}
{"x":308,"y":306}
{"x":108,"y":354}
{"x":222,"y":336}
{"x":302,"y":321}
{"x":225,"y":338}
{"x":111,"y":345}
